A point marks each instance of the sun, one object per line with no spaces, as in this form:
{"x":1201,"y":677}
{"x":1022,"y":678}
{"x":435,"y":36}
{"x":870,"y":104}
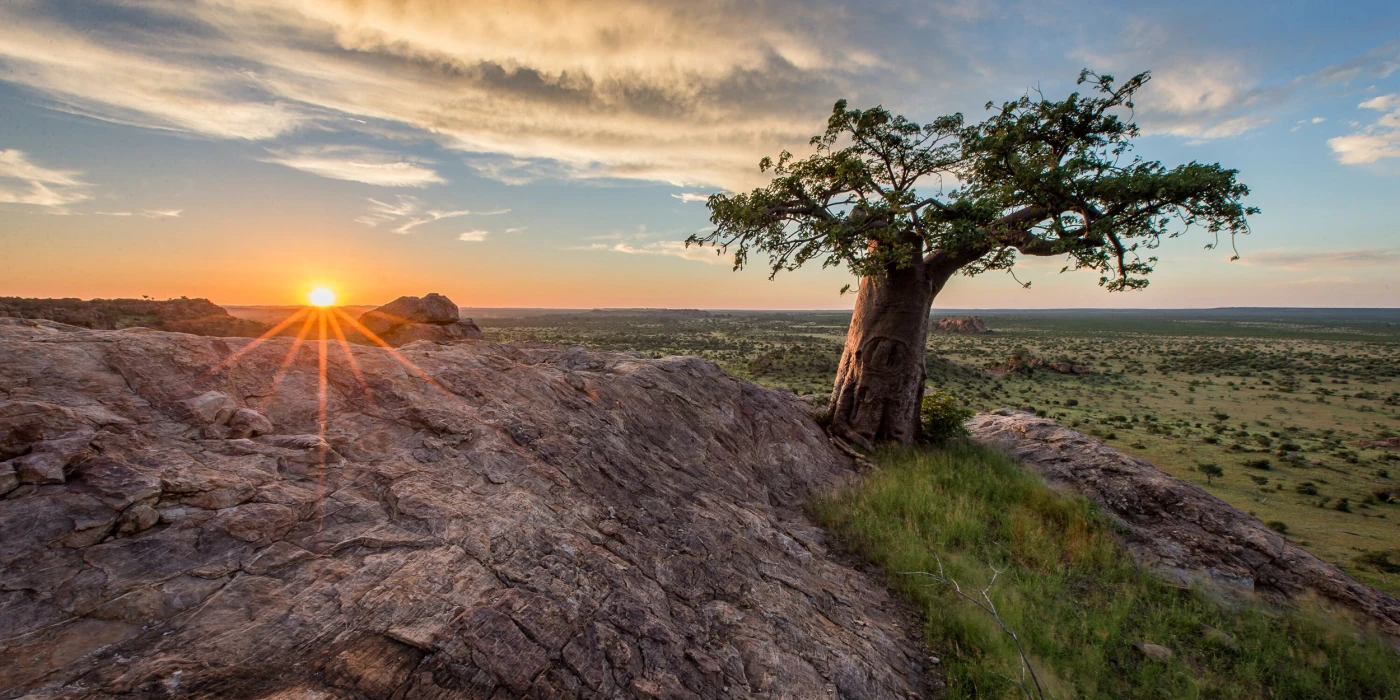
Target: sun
{"x":321,"y":296}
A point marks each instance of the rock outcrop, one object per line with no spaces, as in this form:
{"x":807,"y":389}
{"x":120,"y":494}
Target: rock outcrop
{"x":961,"y":324}
{"x":409,"y":319}
{"x":485,"y":522}
{"x":1176,"y":528}
{"x":197,"y":316}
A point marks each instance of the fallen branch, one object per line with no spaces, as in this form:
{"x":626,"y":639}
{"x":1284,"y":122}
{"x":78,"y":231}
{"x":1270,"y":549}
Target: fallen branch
{"x":985,"y":602}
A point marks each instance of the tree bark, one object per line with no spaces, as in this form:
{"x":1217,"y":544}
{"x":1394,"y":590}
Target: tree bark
{"x":880,"y":382}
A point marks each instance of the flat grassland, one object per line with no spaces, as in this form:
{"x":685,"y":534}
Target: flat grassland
{"x":1285,"y":405}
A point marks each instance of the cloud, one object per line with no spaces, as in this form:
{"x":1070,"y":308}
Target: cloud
{"x":662,"y":90}
{"x":166,"y":83}
{"x":25,"y":182}
{"x":1201,"y":101}
{"x":148,"y":213}
{"x":475,"y":236}
{"x":1201,"y":96}
{"x":1384,"y":103}
{"x":692,"y":197}
{"x":1377,"y":140}
{"x":407,"y":213}
{"x":516,"y":229}
{"x":672,"y":91}
{"x":1322,"y":260}
{"x":1304,"y":122}
{"x":1379,"y":62}
{"x":366,"y":165}
{"x":676,"y":249}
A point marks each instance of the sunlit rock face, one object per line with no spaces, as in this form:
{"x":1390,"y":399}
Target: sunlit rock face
{"x":1178,"y":529}
{"x":409,"y":319}
{"x":489,"y":522}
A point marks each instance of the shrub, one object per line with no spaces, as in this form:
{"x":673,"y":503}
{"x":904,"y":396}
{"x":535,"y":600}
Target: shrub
{"x":1307,"y":488}
{"x":1071,"y":402}
{"x":1210,"y":469}
{"x":1260,"y":463}
{"x":1278,"y":526}
{"x":1380,"y":561}
{"x":941,"y":417}
{"x":1343,"y":506}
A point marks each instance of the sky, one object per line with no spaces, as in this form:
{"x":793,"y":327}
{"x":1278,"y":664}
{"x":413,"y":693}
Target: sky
{"x":542,"y":153}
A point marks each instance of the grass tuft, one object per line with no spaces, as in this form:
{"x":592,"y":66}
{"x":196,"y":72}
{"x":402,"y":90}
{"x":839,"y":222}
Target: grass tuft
{"x":1074,"y":596}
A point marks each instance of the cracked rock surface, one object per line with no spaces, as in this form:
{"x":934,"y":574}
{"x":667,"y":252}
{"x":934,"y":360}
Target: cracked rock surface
{"x":1176,"y":528}
{"x":506,"y":523}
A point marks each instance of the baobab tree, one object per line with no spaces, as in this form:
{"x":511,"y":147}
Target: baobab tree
{"x":906,"y":206}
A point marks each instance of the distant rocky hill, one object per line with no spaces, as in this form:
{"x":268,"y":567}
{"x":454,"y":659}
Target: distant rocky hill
{"x":484,"y":522}
{"x":961,"y":324}
{"x":196,"y":316}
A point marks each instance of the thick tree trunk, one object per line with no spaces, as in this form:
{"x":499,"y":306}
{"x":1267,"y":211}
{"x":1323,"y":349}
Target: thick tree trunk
{"x":880,"y":382}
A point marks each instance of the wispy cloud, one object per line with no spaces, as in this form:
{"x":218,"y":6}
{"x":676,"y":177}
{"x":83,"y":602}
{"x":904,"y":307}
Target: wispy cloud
{"x":25,"y":182}
{"x":1377,"y":140}
{"x":676,"y":249}
{"x":148,"y":213}
{"x":406,"y":213}
{"x":475,"y":236}
{"x":1305,"y":122}
{"x":356,"y":164}
{"x":692,"y":197}
{"x":1202,"y":100}
{"x":167,"y":83}
{"x":1322,"y":259}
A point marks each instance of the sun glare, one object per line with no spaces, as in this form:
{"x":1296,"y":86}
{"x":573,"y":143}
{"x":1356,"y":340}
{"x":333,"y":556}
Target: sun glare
{"x":321,"y":296}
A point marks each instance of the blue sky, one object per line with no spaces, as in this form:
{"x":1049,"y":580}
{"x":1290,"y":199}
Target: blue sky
{"x":555,"y":153}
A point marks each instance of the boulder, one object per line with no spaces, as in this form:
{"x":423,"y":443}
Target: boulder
{"x":1175,"y":528}
{"x":439,"y":309}
{"x":526,"y":523}
{"x":408,"y":319}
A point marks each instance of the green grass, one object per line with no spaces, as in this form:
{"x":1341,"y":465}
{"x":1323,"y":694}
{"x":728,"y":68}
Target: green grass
{"x":1075,"y":598}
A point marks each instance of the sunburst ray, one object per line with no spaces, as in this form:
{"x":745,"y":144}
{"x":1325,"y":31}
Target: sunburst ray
{"x":291,"y":353}
{"x":256,"y":342}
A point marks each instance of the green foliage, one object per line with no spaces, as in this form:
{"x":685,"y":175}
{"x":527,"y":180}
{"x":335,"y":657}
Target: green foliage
{"x":1076,"y":599}
{"x":1380,"y":561}
{"x":1211,"y":470}
{"x":1278,"y":526}
{"x":1037,"y":177}
{"x":941,"y":417}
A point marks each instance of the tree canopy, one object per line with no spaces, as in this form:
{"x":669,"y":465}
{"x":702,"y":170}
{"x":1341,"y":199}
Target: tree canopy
{"x":1037,"y":177}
